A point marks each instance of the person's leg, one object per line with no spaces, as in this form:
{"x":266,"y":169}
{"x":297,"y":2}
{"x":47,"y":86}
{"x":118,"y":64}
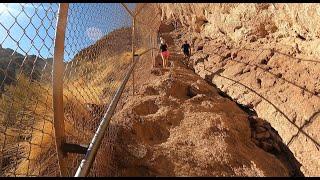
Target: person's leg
{"x":165,"y":63}
{"x":185,"y":54}
{"x":165,"y":55}
{"x":163,"y":60}
{"x":167,"y":59}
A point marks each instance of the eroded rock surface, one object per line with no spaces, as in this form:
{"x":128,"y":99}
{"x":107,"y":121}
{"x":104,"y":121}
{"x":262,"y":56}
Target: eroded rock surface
{"x":179,"y":125}
{"x":264,"y":56}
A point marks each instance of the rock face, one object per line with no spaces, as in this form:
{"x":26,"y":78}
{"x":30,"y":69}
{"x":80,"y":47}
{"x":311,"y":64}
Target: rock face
{"x":267,"y":138}
{"x":236,"y":22}
{"x":263,"y":56}
{"x":10,"y":62}
{"x":178,"y":125}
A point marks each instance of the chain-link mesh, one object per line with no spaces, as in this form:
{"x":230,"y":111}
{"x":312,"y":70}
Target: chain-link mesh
{"x":27,"y":33}
{"x":97,"y":54}
{"x":147,"y":29}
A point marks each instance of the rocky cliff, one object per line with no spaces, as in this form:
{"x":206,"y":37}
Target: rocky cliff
{"x":264,"y":56}
{"x":179,"y":125}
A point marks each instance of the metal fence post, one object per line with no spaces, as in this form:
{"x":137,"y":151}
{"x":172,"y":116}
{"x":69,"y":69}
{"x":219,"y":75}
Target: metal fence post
{"x":133,"y":50}
{"x":150,"y":43}
{"x":133,"y":16}
{"x":57,"y":84}
{"x":154,"y":52}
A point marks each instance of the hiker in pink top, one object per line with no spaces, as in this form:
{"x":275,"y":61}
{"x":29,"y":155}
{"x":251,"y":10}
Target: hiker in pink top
{"x":164,"y":53}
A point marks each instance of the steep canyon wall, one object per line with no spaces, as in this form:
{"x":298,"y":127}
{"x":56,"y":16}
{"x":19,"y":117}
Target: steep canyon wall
{"x":264,"y":56}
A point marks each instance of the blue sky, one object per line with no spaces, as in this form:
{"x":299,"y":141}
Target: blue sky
{"x":29,"y":28}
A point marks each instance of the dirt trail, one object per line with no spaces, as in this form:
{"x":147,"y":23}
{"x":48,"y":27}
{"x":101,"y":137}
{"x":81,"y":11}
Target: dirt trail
{"x":257,"y":125}
{"x":178,"y":125}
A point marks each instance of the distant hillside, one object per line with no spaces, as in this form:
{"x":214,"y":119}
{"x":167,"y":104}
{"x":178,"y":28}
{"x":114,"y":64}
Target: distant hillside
{"x":112,"y":44}
{"x":89,"y":62}
{"x":90,"y":81}
{"x":10,"y":66}
{"x":10,"y":61}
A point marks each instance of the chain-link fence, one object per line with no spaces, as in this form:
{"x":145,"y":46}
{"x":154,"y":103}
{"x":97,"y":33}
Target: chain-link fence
{"x":93,"y":74}
{"x":26,"y":127}
{"x":147,"y":29}
{"x":98,"y":51}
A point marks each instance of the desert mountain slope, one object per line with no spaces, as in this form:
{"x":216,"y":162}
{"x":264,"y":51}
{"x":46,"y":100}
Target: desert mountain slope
{"x":264,"y":56}
{"x":179,"y":125}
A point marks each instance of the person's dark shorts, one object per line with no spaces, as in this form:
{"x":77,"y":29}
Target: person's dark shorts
{"x":186,"y":53}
